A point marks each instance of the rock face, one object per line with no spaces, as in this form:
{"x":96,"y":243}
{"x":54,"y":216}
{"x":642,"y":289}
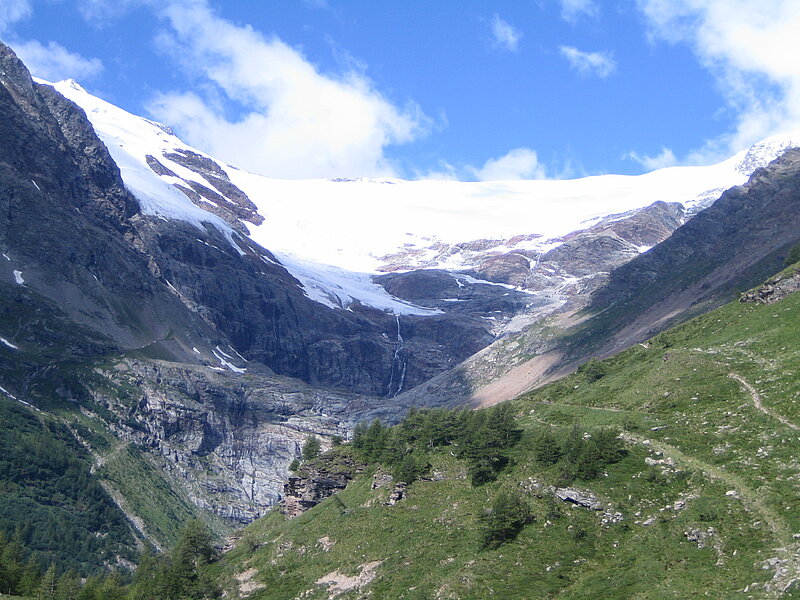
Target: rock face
{"x":397,"y":494}
{"x":67,"y":224}
{"x":225,"y":438}
{"x":736,"y":243}
{"x":319,"y":479}
{"x":774,"y":289}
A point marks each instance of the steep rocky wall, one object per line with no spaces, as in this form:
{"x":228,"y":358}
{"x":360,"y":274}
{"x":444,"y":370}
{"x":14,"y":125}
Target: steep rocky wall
{"x":70,"y":227}
{"x":227,"y":439}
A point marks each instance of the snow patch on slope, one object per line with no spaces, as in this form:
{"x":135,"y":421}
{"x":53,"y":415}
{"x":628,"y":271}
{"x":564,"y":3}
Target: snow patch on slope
{"x":129,"y":140}
{"x":339,"y":288}
{"x":221,"y":356}
{"x":333,"y":234}
{"x":9,"y":344}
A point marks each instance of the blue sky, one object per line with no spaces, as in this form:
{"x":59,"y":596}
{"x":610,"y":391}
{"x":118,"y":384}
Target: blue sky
{"x":461,"y":89}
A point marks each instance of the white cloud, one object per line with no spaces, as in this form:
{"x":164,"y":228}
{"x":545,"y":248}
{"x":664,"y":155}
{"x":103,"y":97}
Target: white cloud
{"x":297,"y":121}
{"x":12,"y":11}
{"x":505,"y":35}
{"x":100,"y":12}
{"x":666,"y":158}
{"x":751,"y":49}
{"x":54,"y":62}
{"x":572,"y":10}
{"x":601,"y":64}
{"x":519,"y":163}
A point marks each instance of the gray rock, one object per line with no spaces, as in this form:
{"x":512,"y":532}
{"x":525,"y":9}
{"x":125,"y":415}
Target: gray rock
{"x":579,"y":497}
{"x":321,"y":478}
{"x":397,"y":494}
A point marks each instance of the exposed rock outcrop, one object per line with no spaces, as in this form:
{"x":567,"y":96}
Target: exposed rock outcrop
{"x":774,"y":289}
{"x":226,"y":438}
{"x":318,"y":479}
{"x":579,"y":497}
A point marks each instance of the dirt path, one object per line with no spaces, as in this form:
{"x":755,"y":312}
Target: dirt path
{"x":757,"y":401}
{"x":584,"y":407}
{"x":787,"y":571}
{"x":751,"y":498}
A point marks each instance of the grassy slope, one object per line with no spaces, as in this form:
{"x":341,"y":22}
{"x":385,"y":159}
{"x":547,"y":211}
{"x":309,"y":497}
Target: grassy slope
{"x":680,"y":398}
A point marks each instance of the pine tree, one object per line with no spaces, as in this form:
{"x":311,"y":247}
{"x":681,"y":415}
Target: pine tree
{"x":11,"y":560}
{"x":510,"y":512}
{"x":111,"y":588}
{"x":312,"y":448}
{"x":188,"y":578}
{"x":546,"y":449}
{"x":30,"y":577}
{"x":68,"y":587}
{"x":47,"y":587}
{"x":409,"y":469}
{"x":90,"y":590}
{"x":149,"y":581}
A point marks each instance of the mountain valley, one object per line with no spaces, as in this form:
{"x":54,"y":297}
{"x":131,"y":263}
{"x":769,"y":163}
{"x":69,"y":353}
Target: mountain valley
{"x":177,"y":329}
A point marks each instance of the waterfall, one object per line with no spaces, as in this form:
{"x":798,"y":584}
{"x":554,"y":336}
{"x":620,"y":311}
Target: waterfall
{"x":398,"y":364}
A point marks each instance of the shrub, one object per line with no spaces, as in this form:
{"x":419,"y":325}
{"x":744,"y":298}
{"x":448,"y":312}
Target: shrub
{"x":593,"y":369}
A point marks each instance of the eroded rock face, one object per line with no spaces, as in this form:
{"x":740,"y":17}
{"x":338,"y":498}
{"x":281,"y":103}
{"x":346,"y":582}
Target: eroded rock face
{"x":319,"y":479}
{"x":227,"y":439}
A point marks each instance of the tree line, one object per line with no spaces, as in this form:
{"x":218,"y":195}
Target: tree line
{"x":481,"y":437}
{"x":181,"y":574}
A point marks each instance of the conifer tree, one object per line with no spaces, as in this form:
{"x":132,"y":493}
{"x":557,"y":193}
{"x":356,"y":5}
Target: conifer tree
{"x":68,"y":587}
{"x":47,"y":587}
{"x":188,"y":578}
{"x":509,"y":513}
{"x":11,"y":560}
{"x":546,"y":449}
{"x":312,"y":448}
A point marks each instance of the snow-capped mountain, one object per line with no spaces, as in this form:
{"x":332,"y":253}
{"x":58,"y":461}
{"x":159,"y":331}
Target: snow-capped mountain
{"x":212,"y":318}
{"x":335,"y":235}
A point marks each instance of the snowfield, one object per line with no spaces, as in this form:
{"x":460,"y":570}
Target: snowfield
{"x":332,"y":235}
